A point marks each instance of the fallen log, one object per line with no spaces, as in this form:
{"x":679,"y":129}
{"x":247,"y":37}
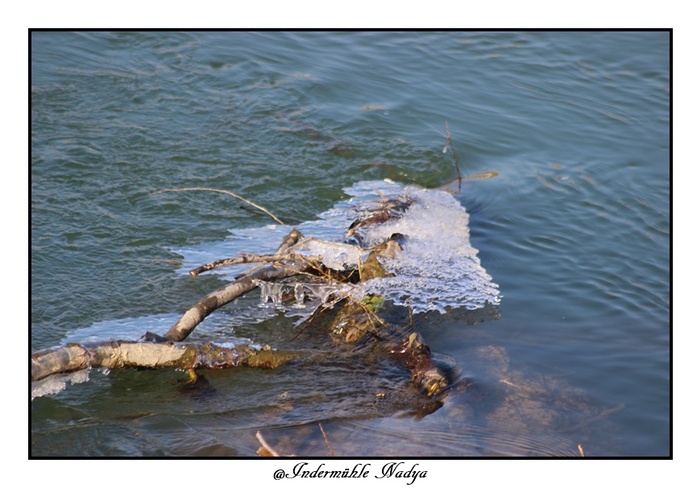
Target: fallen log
{"x":136,"y":354}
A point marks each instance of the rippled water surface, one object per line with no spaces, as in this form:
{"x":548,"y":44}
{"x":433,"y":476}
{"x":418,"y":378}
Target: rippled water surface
{"x":563,"y":137}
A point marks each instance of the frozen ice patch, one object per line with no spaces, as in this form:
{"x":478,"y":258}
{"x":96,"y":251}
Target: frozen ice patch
{"x":128,"y":329}
{"x":57,"y":383}
{"x":437,"y":270}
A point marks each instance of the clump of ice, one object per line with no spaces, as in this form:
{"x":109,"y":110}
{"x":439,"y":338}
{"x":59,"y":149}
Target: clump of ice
{"x":299,"y":294}
{"x":334,"y":255}
{"x":128,"y":329}
{"x":57,"y":383}
{"x":438,"y":268}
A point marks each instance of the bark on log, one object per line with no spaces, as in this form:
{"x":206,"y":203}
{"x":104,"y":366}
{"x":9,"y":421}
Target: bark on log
{"x":131,"y":354}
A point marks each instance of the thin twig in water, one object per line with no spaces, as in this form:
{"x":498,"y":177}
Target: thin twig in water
{"x":269,"y":451}
{"x":372,"y":316}
{"x":452,"y":150}
{"x":580,"y":450}
{"x":225,"y":192}
{"x":326,"y":439}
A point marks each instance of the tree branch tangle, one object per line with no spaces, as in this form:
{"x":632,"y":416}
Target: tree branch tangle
{"x":356,"y":321}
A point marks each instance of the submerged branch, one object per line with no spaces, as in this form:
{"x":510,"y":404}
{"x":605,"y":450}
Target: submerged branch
{"x":325,"y":437}
{"x":426,"y":375}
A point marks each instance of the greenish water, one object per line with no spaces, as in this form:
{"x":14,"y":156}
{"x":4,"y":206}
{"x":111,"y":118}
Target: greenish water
{"x":574,"y":227}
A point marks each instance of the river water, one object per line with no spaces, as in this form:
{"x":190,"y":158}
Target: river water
{"x":563,"y":138}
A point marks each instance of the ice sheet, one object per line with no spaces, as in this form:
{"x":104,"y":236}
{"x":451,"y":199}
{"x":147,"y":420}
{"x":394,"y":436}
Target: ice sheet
{"x":438,"y":269}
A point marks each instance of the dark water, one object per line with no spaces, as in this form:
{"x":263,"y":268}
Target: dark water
{"x":573,"y":225}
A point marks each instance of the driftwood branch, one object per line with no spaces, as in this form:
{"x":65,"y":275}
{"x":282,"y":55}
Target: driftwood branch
{"x":265,"y":449}
{"x":290,"y":240}
{"x":251,"y":258}
{"x":200,"y":310}
{"x":132,"y":354}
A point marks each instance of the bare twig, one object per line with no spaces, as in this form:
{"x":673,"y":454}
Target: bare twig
{"x":252,"y":258}
{"x":326,"y":439}
{"x":268,"y":451}
{"x":290,"y":240}
{"x":452,"y":150}
{"x":225,"y":192}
